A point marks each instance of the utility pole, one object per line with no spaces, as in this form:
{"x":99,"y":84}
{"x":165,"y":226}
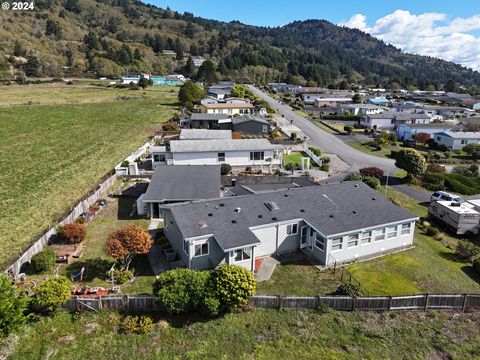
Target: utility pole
{"x":386,"y":183}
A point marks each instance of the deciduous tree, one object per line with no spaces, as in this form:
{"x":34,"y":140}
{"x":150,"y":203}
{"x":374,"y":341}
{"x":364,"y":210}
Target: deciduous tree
{"x":125,"y":243}
{"x":411,"y":161}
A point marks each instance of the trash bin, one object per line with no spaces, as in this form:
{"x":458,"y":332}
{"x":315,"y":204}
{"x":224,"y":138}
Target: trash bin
{"x":170,"y":255}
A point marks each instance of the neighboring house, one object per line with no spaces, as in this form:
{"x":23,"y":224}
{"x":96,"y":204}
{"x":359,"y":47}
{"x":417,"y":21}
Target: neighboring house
{"x":446,"y":112}
{"x":171,"y":184}
{"x":257,"y":185}
{"x":219,"y":94}
{"x":210,"y":121}
{"x":127,"y":80}
{"x":360,"y":109}
{"x":164,"y":81}
{"x":250,"y":124}
{"x":379,"y":101}
{"x":405,"y":131}
{"x":456,"y":140}
{"x":230,"y":106}
{"x":284,"y":87}
{"x":332,"y":102}
{"x":390,"y":120}
{"x":309,"y":98}
{"x":239,"y":153}
{"x":334,"y":224}
{"x":476,"y":106}
{"x":169,"y":53}
{"x":204,"y":134}
{"x":198,"y":61}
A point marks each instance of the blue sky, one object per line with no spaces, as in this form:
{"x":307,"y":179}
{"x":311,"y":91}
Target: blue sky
{"x":447,"y":29}
{"x":280,"y":12}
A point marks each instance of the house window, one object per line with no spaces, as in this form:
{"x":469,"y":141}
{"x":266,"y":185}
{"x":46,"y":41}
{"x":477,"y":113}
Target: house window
{"x":257,"y":155}
{"x":201,"y":249}
{"x":464,"y":142}
{"x":265,"y":128}
{"x":406,"y":228}
{"x":242,"y":254}
{"x":292,"y":229}
{"x":337,"y":244}
{"x":229,"y":111}
{"x":319,"y":242}
{"x":186,"y":246}
{"x":352,"y":240}
{"x":439,"y":138}
{"x":221,"y":157}
{"x":366,"y":238}
{"x":379,"y":234}
{"x":392,"y":231}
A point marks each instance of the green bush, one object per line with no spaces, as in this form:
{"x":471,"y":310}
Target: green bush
{"x":466,"y":250}
{"x":181,"y":290}
{"x":355,"y":176}
{"x":43,"y":261}
{"x":121,"y":276}
{"x":316,"y":151}
{"x":348,"y":129}
{"x":433,"y":181}
{"x":13,"y":305}
{"x":125,"y":163}
{"x":233,"y":285}
{"x":476,"y":265}
{"x":432,"y":231}
{"x":348,"y":289}
{"x":461,"y":184}
{"x":325,"y":167}
{"x":225,"y":169}
{"x":51,"y":294}
{"x":137,"y":325}
{"x":371,"y":181}
{"x":411,"y":161}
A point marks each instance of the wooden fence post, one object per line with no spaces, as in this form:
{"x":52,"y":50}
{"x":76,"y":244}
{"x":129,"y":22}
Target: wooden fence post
{"x":426,"y":302}
{"x":464,"y":305}
{"x":279,"y":302}
{"x":354,"y":300}
{"x":389,"y":302}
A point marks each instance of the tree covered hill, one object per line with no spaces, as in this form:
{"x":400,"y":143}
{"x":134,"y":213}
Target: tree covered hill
{"x":115,"y":37}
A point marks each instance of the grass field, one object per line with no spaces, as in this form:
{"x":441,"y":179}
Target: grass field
{"x":53,"y":154}
{"x":295,"y":157}
{"x":257,"y":334}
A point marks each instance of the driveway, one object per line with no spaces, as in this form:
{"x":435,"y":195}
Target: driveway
{"x":328,"y":142}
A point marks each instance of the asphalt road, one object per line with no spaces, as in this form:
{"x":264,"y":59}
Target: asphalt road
{"x":328,"y":142}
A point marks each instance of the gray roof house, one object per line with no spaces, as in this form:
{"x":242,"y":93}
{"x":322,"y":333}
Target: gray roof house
{"x":210,"y":121}
{"x":333,"y":223}
{"x":391,"y":119}
{"x":205,"y":134}
{"x":456,"y":140}
{"x":251,"y":124}
{"x":181,"y":183}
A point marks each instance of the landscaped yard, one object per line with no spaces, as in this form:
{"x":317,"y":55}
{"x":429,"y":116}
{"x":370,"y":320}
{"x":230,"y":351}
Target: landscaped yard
{"x":256,"y":334}
{"x":295,"y":157}
{"x":298,"y":278}
{"x":53,"y":154}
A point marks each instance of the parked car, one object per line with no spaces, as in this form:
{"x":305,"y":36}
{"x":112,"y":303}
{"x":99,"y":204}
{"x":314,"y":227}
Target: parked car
{"x":411,"y":143}
{"x":444,"y":196}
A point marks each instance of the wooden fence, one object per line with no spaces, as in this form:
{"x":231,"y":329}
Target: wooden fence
{"x":139,"y":303}
{"x":69,"y":218}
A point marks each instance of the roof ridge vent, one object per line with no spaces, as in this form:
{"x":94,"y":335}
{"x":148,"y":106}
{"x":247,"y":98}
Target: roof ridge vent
{"x":238,"y":209}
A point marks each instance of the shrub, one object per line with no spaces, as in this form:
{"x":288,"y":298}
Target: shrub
{"x":476,"y":265}
{"x":293,"y":136}
{"x":276,"y":134}
{"x":13,"y":305}
{"x":371,"y":181}
{"x":436,"y":155}
{"x":326,"y":160}
{"x":472,"y":150}
{"x":432,"y":231}
{"x":233,"y":285}
{"x":433,"y":181}
{"x":411,"y":161}
{"x":372,"y":171}
{"x":436,"y":168}
{"x":353,"y":177}
{"x":316,"y":151}
{"x":348,"y":289}
{"x":292,"y":167}
{"x":162,"y":240}
{"x":137,"y":325}
{"x":125,"y":163}
{"x":466,"y":250}
{"x":325,"y":167}
{"x":181,"y":290}
{"x":121,"y":276}
{"x":71,"y":233}
{"x":461,"y":184}
{"x":43,"y":261}
{"x":170,"y":127}
{"x":348,"y":129}
{"x":470,"y":171}
{"x":51,"y":294}
{"x":225,"y":169}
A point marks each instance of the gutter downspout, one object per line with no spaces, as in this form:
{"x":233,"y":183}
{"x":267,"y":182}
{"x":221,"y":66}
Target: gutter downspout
{"x":276,"y":240}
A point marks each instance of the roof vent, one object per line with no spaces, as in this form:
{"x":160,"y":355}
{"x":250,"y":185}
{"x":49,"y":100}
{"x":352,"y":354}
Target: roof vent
{"x":356,"y":185}
{"x":374,"y":198}
{"x":286,"y":195}
{"x":302,"y":210}
{"x":238,"y":209}
{"x":210,"y":214}
{"x":272,"y":206}
{"x":274,"y":218}
{"x":202,"y":224}
{"x":332,"y":216}
{"x":222,"y":204}
{"x":260,"y":216}
{"x":355,"y":211}
{"x":234,"y":221}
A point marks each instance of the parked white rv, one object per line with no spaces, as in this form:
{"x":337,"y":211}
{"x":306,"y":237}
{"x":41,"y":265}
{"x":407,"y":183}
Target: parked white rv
{"x":461,"y":218}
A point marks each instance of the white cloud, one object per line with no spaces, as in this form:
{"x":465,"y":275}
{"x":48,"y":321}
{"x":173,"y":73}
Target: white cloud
{"x":432,"y":34}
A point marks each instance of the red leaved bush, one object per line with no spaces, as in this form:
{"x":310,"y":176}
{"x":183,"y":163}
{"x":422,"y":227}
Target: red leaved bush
{"x":372,"y":171}
{"x":71,"y":233}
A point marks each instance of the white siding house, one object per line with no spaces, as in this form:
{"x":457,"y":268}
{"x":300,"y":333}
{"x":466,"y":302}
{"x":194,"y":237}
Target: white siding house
{"x":456,"y":140}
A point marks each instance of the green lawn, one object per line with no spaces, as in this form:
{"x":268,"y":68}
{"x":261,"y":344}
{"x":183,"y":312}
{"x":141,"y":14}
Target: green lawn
{"x":300,"y":279}
{"x":53,"y":154}
{"x":257,"y":334}
{"x":385,"y":152}
{"x":295,"y":157}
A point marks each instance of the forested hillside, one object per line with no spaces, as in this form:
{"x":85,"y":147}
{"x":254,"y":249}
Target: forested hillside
{"x":114,"y":37}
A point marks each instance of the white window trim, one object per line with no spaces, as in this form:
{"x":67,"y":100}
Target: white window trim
{"x":218,"y":157}
{"x":186,"y":245}
{"x":200,"y":244}
{"x":340,"y":243}
{"x":324,"y":242}
{"x":407,"y":230}
{"x":243,"y":252}
{"x":292,"y":226}
{"x":369,"y":237}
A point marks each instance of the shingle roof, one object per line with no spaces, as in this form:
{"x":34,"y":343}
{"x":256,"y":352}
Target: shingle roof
{"x":183,"y":183}
{"x":219,"y":145}
{"x":245,"y":118}
{"x":332,"y":209}
{"x":208,"y":117}
{"x":202,"y":134}
{"x":399,"y":115}
{"x":461,"y":134}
